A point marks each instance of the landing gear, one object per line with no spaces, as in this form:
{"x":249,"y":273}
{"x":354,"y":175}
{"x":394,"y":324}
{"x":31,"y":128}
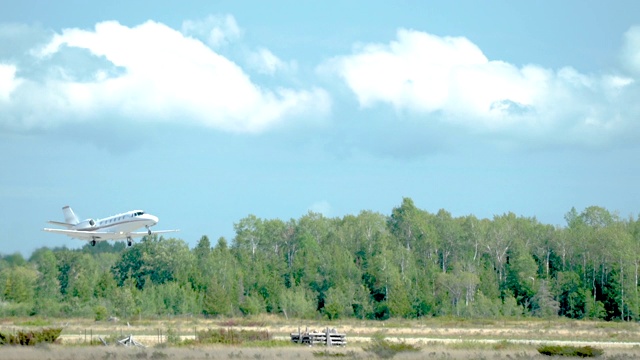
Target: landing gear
{"x":93,"y":242}
{"x":148,"y":230}
{"x":129,"y":241}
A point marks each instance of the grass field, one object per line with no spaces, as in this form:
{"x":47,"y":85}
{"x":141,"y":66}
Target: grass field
{"x":436,"y":338}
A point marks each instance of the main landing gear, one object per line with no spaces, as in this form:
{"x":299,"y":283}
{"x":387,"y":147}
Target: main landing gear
{"x":93,"y":242}
{"x":129,"y":241}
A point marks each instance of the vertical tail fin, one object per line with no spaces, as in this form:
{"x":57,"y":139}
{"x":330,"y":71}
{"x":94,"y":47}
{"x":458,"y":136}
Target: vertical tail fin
{"x":69,"y":216}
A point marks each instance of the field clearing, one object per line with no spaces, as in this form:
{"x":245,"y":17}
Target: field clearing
{"x":437,"y":338}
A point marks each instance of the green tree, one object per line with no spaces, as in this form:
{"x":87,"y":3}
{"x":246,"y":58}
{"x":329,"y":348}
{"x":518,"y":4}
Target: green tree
{"x":521,"y":276}
{"x":337,"y":304}
{"x":202,"y":272}
{"x":461,"y":288}
{"x":407,"y":224}
{"x":543,"y":303}
{"x":18,"y":284}
{"x":224,"y":291}
{"x":296,"y":303}
{"x":47,"y":290}
{"x":500,"y":238}
{"x":124,"y":299}
{"x":15,"y":259}
{"x":105,"y":285}
{"x":571,"y":298}
{"x":155,"y":259}
{"x":450,"y":234}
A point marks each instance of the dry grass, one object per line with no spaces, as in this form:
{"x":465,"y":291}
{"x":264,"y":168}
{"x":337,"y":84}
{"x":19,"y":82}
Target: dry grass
{"x":58,"y":352}
{"x":64,"y":352}
{"x":437,"y":338}
{"x":431,"y":351}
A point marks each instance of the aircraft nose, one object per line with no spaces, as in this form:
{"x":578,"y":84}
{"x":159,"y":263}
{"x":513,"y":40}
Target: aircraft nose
{"x":153,"y":218}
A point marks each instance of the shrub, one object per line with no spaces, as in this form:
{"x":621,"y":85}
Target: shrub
{"x":327,"y":353}
{"x":575,"y":351}
{"x":230,"y":336}
{"x":30,"y":338}
{"x":173,"y":337}
{"x":385,"y":349}
{"x":100,"y":312}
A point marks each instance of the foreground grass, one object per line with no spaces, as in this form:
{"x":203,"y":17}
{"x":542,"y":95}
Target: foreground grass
{"x":385,"y":349}
{"x":442,"y":338}
{"x":60,"y":352}
{"x":57,"y":352}
{"x":570,"y":351}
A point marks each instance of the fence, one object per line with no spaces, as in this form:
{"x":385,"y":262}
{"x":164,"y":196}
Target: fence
{"x":330,"y":337}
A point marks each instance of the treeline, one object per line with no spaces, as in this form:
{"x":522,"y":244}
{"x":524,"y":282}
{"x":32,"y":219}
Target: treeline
{"x":408,"y":264}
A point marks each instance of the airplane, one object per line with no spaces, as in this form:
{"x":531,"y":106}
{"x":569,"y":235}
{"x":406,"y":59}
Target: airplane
{"x":116,"y":227}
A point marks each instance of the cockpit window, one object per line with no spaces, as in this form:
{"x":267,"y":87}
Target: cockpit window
{"x":138,"y":213}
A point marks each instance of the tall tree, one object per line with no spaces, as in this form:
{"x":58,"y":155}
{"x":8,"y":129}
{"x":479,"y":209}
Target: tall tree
{"x":155,"y":259}
{"x":500,"y":238}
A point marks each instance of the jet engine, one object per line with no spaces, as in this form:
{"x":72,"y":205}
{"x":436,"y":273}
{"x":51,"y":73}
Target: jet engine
{"x":87,"y":224}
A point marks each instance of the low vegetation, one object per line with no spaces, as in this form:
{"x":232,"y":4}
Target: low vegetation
{"x":385,"y":349}
{"x":334,"y":354}
{"x":30,"y":337}
{"x":572,"y":351}
{"x":231,"y":336}
{"x":267,"y":338}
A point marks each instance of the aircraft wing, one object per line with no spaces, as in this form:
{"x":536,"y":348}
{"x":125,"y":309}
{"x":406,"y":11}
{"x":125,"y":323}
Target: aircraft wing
{"x":87,"y":235}
{"x":145,"y":233}
{"x":104,"y":235}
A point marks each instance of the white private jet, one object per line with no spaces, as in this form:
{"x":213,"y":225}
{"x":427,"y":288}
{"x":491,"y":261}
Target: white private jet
{"x":116,"y":227}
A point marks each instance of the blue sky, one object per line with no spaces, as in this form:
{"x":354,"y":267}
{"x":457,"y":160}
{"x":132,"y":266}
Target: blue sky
{"x":205,"y":112}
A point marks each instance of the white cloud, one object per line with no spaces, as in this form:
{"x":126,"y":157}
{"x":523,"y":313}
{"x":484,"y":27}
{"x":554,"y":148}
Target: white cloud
{"x":8,"y":81}
{"x":631,"y":49}
{"x":167,"y":76}
{"x":215,"y":30}
{"x":451,"y":77}
{"x":427,"y":73}
{"x":614,"y":85}
{"x":265,"y":62}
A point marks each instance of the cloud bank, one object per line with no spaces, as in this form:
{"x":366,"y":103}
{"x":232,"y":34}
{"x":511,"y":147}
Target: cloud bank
{"x":215,"y":30}
{"x":8,"y":81}
{"x":154,"y":73}
{"x":449,"y":78}
{"x":631,"y":50}
{"x":149,"y":72}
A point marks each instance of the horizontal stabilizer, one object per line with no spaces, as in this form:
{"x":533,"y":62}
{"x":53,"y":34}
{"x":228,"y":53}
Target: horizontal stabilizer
{"x":67,"y":225}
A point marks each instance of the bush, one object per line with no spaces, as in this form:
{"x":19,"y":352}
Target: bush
{"x":173,"y":337}
{"x":575,"y":351}
{"x":232,"y":337}
{"x":385,"y":349}
{"x":252,"y":305}
{"x":327,"y":353}
{"x":100,"y":312}
{"x":30,"y":338}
